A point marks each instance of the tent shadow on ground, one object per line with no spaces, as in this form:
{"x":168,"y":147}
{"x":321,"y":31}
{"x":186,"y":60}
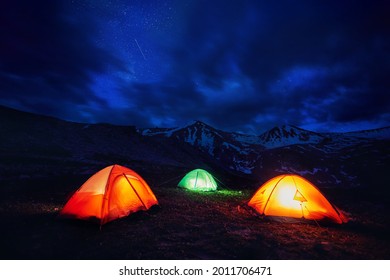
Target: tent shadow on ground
{"x":94,"y":223}
{"x":190,"y":226}
{"x":111,"y":193}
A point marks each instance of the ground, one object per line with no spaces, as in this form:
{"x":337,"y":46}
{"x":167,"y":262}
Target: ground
{"x":186,"y":225}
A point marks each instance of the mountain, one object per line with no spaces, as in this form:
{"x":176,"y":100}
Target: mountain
{"x":33,"y":146}
{"x":331,"y":159}
{"x":238,"y":152}
{"x":289,"y":135}
{"x":207,"y":138}
{"x":380,"y":133}
{"x":37,"y":146}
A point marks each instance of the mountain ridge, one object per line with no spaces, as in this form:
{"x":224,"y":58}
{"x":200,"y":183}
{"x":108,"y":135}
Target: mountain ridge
{"x":287,"y":130}
{"x":245,"y":153}
{"x":31,"y":143}
{"x":4,"y":110}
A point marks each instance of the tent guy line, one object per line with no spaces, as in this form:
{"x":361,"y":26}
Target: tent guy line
{"x":117,"y":191}
{"x":111,"y":193}
{"x":292,"y":196}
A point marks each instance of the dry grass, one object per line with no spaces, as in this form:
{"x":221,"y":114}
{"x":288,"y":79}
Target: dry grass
{"x":186,"y":225}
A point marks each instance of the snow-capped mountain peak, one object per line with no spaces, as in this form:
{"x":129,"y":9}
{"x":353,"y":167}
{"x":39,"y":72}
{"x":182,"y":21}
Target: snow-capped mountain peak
{"x":288,"y":135}
{"x":241,"y":152}
{"x":236,"y":151}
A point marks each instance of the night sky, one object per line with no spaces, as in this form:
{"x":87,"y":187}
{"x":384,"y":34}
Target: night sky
{"x":240,"y":65}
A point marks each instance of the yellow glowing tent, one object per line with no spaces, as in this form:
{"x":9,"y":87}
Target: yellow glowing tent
{"x":111,"y":193}
{"x":294,"y":196}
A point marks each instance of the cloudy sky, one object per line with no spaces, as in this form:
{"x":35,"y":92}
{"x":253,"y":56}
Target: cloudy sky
{"x":238,"y":65}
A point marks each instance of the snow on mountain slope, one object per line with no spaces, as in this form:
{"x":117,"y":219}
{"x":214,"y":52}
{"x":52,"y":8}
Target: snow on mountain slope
{"x":285,"y":149}
{"x":237,"y":151}
{"x":381,"y":133}
{"x":246,"y":139}
{"x":30,"y":142}
{"x":328,"y":142}
{"x":289,"y":135}
{"x":336,"y":141}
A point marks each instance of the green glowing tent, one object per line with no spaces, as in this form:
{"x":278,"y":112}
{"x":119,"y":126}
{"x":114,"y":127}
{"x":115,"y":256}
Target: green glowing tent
{"x":198,"y":180}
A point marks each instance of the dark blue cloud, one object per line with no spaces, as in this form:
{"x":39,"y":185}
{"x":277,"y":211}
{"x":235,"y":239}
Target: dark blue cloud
{"x":47,"y":59}
{"x":239,"y":65}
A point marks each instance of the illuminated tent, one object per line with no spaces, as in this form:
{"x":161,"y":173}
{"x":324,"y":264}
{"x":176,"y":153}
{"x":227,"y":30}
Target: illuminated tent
{"x":111,"y":193}
{"x":294,"y":196}
{"x":198,"y":180}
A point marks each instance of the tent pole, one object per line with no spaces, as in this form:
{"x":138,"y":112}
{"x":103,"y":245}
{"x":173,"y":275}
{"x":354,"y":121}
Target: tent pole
{"x":266,"y":204}
{"x":196,"y":180}
{"x":134,"y":191}
{"x":105,"y":199}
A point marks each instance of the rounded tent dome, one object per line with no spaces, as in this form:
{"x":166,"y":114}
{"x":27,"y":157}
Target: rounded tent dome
{"x":198,"y":180}
{"x":293,"y":196}
{"x":109,"y":194}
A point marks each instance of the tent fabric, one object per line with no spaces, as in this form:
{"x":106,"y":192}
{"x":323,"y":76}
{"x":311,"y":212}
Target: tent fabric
{"x":198,"y":180}
{"x":293,"y":196}
{"x":111,"y":193}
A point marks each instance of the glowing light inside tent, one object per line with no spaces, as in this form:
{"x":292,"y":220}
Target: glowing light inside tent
{"x":293,"y":196}
{"x":285,"y":197}
{"x":198,"y":180}
{"x":109,"y":194}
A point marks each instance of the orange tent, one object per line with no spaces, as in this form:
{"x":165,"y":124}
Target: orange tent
{"x":111,"y":193}
{"x":294,"y":196}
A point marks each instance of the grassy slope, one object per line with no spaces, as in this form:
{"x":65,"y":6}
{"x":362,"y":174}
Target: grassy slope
{"x":187,"y":225}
